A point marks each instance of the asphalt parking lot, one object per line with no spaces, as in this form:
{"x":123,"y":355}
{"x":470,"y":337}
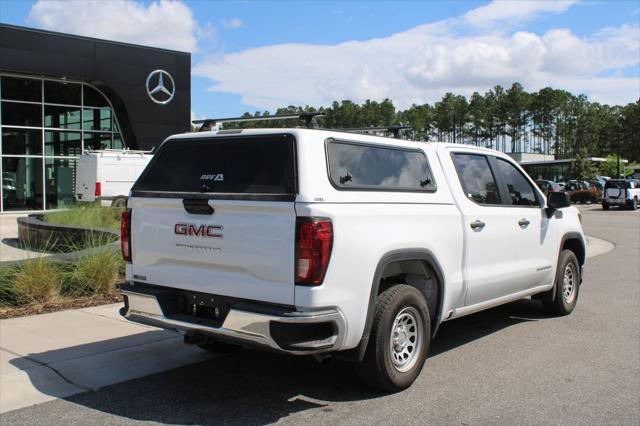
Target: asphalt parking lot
{"x":508,"y":365}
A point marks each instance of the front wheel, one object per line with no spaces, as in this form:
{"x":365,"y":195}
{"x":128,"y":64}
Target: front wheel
{"x":567,"y":285}
{"x":399,"y":340}
{"x":634,"y":204}
{"x":605,"y":206}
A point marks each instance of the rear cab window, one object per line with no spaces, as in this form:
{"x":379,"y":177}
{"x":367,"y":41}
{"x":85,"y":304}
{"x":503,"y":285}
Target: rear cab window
{"x":251,"y":167}
{"x":361,"y":166}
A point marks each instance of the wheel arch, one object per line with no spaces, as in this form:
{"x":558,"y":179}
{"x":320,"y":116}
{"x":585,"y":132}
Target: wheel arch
{"x":574,"y":241}
{"x":418,"y":254}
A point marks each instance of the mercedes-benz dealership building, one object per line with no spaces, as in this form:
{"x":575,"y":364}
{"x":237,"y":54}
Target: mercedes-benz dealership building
{"x":62,"y":95}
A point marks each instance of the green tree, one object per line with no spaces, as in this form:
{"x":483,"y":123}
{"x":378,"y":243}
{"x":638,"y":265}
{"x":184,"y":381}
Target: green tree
{"x":515,"y":112}
{"x":581,"y":167}
{"x":548,"y":121}
{"x":477,"y":105}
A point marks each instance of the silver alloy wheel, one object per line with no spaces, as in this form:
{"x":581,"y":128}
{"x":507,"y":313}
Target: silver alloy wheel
{"x":406,"y":339}
{"x":568,"y":284}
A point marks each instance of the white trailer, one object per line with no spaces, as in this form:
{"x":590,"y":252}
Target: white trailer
{"x":108,"y":175}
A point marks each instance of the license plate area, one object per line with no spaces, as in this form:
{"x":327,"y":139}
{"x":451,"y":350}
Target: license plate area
{"x":202,"y":308}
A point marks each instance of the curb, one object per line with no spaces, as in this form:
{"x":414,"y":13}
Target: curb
{"x":31,"y":229}
{"x":598,"y":246}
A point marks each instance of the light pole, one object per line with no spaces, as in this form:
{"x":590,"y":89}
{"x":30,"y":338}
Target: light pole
{"x":618,"y":158}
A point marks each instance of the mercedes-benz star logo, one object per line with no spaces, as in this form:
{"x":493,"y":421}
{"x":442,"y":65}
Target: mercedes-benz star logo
{"x":163,"y":87}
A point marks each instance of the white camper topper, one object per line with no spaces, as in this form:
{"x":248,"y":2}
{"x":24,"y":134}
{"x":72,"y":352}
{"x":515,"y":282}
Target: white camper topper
{"x":108,"y":175}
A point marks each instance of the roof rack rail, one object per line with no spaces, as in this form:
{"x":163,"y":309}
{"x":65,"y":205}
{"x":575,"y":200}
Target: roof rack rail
{"x":396,"y":130}
{"x":122,"y":150}
{"x":307,"y":117}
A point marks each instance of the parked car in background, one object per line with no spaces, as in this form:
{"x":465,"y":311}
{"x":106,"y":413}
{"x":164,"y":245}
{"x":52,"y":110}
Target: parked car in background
{"x":621,"y":193}
{"x":548,"y":186}
{"x":582,"y":191}
{"x":577,"y":185}
{"x":598,"y":184}
{"x":108,"y":175}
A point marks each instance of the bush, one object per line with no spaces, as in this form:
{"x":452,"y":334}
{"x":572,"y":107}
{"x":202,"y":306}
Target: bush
{"x":35,"y":280}
{"x":8,"y":296}
{"x":585,"y":196}
{"x":87,"y":216}
{"x":93,"y":274}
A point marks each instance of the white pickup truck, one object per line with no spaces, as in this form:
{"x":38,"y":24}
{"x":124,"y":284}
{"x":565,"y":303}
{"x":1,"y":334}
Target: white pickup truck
{"x":337,"y":244}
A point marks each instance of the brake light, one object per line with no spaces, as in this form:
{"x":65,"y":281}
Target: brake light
{"x":98,"y":190}
{"x":314,"y":240}
{"x":125,"y":235}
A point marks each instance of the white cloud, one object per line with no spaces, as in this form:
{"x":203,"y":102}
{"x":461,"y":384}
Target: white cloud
{"x":421,"y":64}
{"x":164,"y":23}
{"x":233,"y":23}
{"x":513,"y":11}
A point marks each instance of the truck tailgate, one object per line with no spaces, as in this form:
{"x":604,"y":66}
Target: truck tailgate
{"x":244,"y":249}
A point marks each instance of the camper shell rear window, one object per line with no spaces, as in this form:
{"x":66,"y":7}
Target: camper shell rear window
{"x":257,"y":167}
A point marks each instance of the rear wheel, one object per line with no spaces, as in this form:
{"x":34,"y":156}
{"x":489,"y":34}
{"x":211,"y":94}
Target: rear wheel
{"x":567,"y":285}
{"x":399,"y":340}
{"x":605,"y":205}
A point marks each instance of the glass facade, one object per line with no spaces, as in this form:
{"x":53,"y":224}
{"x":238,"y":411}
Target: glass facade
{"x":46,"y":125}
{"x":557,"y":171}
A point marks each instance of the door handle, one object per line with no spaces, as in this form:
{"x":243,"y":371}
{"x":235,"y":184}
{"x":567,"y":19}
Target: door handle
{"x":524,"y":222}
{"x":477,"y":224}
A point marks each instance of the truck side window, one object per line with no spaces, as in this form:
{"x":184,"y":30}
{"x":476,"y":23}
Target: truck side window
{"x":520,"y":190}
{"x":476,"y":178}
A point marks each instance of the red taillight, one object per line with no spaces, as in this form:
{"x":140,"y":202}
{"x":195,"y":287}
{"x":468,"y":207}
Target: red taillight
{"x":314,"y":239}
{"x":125,"y":235}
{"x":98,"y":191}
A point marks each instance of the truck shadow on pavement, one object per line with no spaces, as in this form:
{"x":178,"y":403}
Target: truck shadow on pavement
{"x":254,"y":387}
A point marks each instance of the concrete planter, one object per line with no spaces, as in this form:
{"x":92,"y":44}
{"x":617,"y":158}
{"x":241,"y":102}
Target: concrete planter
{"x":36,"y":234}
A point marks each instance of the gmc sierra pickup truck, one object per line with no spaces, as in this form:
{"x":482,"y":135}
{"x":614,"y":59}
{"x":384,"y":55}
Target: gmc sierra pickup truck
{"x":330,"y":243}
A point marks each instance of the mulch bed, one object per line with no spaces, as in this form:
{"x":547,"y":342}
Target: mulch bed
{"x":59,"y":305}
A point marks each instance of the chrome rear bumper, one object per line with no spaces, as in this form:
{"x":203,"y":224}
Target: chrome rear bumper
{"x":240,"y":325}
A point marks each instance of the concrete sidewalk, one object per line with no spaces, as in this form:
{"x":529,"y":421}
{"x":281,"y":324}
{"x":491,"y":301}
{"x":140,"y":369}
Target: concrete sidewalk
{"x":49,"y":356}
{"x":10,"y":249}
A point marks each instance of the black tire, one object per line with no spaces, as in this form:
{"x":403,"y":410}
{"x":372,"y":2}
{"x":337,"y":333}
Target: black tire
{"x":605,"y":206}
{"x":120,"y":202}
{"x":634,"y":204}
{"x":219,"y":347}
{"x":566,"y":294}
{"x":380,"y":368}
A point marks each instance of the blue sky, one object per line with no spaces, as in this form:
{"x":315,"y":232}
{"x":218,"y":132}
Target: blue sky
{"x":257,"y":55}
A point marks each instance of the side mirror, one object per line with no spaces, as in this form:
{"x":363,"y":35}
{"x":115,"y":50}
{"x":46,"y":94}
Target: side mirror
{"x":557,"y":200}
